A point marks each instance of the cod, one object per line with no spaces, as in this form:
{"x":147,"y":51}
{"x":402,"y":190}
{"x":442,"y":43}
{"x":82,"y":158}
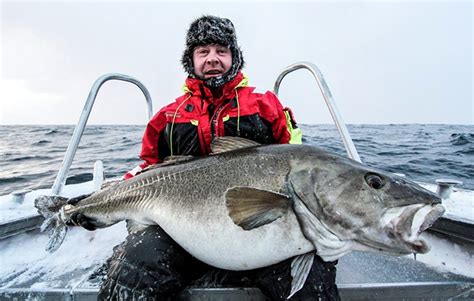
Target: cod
{"x":248,"y":206}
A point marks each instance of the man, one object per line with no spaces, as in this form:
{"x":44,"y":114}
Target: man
{"x":216,"y":102}
{"x":149,"y":265}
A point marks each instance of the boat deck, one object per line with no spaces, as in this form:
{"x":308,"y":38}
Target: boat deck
{"x":59,"y":276}
{"x":28,"y":272}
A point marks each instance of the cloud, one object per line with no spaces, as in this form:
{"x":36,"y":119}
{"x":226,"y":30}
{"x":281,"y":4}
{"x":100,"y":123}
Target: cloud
{"x":385,"y":62}
{"x":37,"y":56}
{"x":21,"y":105}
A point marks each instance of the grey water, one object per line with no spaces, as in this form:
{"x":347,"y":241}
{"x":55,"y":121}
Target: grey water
{"x":30,"y":156}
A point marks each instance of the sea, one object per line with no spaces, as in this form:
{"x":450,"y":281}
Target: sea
{"x":30,"y":155}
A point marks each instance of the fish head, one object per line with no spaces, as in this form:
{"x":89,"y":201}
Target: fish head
{"x":373,"y":209}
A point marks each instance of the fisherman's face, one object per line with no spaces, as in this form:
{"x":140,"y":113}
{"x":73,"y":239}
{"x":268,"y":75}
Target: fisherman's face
{"x":211,"y":60}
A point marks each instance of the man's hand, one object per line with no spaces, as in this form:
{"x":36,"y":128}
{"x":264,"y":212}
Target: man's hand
{"x":79,"y":219}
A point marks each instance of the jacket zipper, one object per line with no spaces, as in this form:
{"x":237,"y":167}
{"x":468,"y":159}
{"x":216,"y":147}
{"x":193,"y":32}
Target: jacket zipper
{"x":215,"y":120}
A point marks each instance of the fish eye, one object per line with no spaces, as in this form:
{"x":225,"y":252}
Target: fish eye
{"x":374,"y":180}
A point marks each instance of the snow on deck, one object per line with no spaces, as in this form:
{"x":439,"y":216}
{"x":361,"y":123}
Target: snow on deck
{"x":459,"y":206}
{"x":26,"y":263}
{"x":11,"y":210}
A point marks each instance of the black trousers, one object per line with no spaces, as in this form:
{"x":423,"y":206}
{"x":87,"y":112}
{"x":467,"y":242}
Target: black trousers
{"x":149,"y":265}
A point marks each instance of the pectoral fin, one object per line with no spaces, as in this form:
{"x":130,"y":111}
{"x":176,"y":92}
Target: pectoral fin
{"x":300,"y":267}
{"x":251,"y":208}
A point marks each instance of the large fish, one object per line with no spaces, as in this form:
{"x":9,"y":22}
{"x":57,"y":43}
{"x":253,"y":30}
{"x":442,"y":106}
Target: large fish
{"x":248,"y":206}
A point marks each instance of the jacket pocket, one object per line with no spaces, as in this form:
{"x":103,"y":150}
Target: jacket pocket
{"x":181,"y":138}
{"x":251,"y":127}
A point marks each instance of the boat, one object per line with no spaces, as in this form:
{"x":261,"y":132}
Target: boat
{"x":74,"y":271}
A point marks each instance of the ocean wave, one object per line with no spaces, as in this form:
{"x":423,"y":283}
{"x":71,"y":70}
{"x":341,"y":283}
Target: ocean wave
{"x":60,"y":131}
{"x":36,"y":130}
{"x":30,"y":156}
{"x":420,"y":148}
{"x":465,"y":151}
{"x":52,"y":132}
{"x":41,"y":142}
{"x":423,"y":134}
{"x":13,"y":179}
{"x":461,"y":138}
{"x":363,"y":140}
{"x":79,"y":178}
{"x":411,"y":171}
{"x":93,"y":132}
{"x":397,"y":153}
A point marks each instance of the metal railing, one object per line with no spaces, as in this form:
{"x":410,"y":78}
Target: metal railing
{"x":341,"y":127}
{"x":79,"y":129}
{"x":454,"y":290}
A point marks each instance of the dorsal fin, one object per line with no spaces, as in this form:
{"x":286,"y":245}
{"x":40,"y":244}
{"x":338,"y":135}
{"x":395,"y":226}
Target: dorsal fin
{"x":170,"y":160}
{"x":226,"y":144}
{"x":176,"y":159}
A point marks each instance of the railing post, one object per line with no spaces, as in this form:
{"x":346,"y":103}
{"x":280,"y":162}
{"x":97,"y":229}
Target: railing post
{"x":79,"y":129}
{"x":341,"y":127}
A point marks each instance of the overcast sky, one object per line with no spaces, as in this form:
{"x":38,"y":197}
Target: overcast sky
{"x":384,"y":61}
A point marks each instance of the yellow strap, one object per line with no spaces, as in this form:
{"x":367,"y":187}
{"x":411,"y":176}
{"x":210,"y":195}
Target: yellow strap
{"x":238,"y":112}
{"x":185,"y":89}
{"x":243,"y":83}
{"x":296,"y":135}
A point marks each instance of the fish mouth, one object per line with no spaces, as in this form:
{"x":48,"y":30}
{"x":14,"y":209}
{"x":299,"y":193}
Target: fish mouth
{"x":409,"y":223}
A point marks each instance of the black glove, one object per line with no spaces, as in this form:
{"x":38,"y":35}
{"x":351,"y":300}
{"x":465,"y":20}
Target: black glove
{"x":77,"y":199}
{"x":79,"y":219}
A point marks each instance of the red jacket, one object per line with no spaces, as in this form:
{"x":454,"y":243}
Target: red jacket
{"x":188,"y":125}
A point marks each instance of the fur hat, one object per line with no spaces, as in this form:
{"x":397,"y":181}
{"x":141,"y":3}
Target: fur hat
{"x":212,"y":30}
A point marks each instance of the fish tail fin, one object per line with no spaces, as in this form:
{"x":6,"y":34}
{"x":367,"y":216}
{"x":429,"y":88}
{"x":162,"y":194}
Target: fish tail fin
{"x":48,"y":205}
{"x":51,"y":208}
{"x":56,"y":229}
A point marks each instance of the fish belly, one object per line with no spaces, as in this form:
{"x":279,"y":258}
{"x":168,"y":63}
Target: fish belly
{"x":188,"y":202}
{"x":213,"y":238}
